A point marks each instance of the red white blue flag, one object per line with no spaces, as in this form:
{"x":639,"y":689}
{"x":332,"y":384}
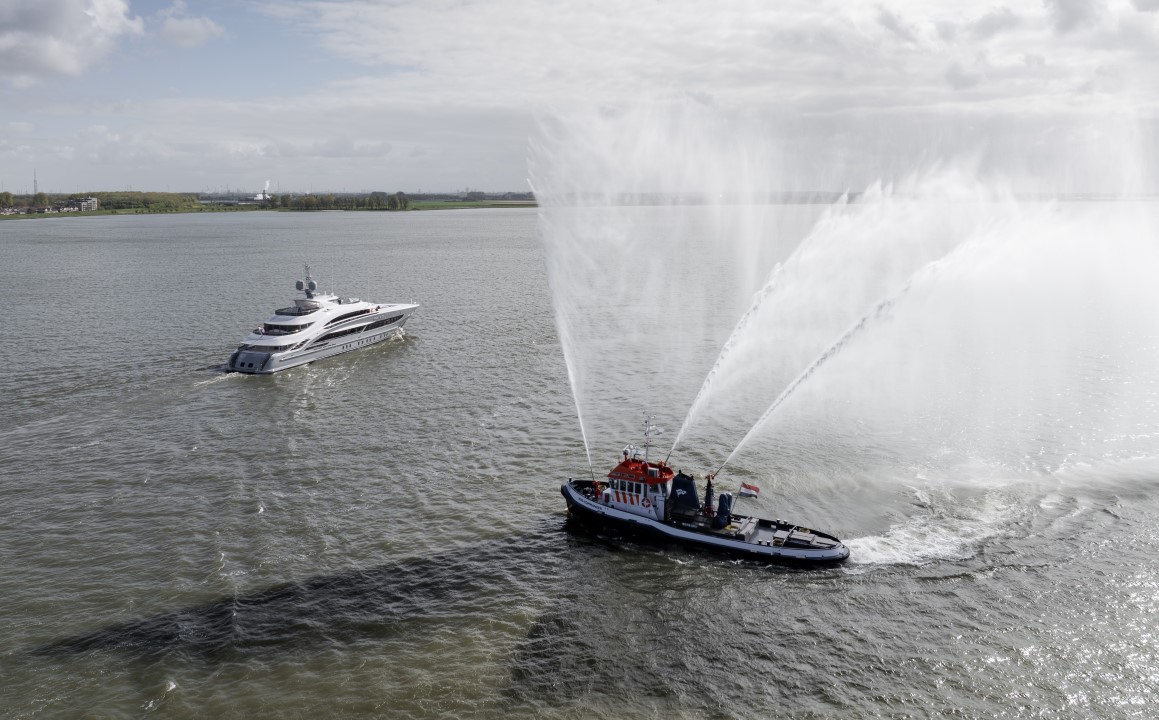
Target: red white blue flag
{"x":751,"y":490}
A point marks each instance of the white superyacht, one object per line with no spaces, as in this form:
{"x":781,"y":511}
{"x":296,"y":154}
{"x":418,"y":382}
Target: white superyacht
{"x":316,"y":326}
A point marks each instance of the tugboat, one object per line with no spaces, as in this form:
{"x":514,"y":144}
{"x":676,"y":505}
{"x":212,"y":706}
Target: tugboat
{"x":650,"y":498}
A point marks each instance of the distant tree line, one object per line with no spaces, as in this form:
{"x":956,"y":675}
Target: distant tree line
{"x":328,"y":201}
{"x":151,"y":201}
{"x":184,"y":202}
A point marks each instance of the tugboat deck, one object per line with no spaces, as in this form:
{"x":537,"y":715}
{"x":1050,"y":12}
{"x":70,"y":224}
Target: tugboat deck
{"x":768,"y":533}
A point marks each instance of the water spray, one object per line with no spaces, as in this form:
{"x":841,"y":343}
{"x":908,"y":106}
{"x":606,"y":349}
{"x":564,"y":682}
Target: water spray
{"x":881,"y":309}
{"x":722,"y":358}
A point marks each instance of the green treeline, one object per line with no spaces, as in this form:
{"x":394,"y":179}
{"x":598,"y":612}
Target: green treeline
{"x":373,"y":201}
{"x":151,"y":201}
{"x":155,"y":202}
{"x":184,"y":202}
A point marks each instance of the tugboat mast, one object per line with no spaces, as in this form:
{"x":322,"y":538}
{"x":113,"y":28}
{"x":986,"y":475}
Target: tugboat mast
{"x":649,"y":431}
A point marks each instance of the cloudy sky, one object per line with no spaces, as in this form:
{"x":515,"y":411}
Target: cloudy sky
{"x":441,"y":95}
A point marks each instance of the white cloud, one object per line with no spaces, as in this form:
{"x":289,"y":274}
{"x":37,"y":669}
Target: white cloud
{"x":960,"y":78}
{"x":443,"y":93}
{"x":1070,"y":15}
{"x":341,"y":146}
{"x":45,"y":38}
{"x":13,"y":150}
{"x":804,"y":56}
{"x":188,"y":32}
{"x":995,"y":21}
{"x":896,"y":25}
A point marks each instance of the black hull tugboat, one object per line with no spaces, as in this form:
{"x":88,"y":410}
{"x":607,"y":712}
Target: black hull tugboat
{"x":650,"y":499}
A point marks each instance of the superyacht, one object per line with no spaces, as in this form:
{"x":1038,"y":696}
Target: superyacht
{"x":316,"y":326}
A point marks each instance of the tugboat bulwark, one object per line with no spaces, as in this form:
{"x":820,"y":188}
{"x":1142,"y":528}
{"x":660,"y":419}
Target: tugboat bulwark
{"x":649,"y":498}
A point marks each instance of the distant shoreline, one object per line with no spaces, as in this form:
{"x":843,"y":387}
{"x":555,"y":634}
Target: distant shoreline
{"x":415,"y":205}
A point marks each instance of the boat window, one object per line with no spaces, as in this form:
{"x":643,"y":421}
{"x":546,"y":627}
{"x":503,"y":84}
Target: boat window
{"x":277,"y":329}
{"x":361,"y":328}
{"x":348,"y":315}
{"x":297,"y":310}
{"x":265,"y":348}
{"x":384,"y":323}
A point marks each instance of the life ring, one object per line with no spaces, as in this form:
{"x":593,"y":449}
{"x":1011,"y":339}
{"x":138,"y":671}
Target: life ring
{"x":645,"y":502}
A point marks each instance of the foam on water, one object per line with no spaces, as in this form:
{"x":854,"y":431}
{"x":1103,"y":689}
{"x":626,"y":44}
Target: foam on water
{"x":942,"y":529}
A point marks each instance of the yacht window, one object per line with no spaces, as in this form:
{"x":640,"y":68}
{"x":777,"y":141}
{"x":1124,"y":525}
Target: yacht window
{"x":359,"y":328}
{"x":348,"y":315}
{"x":278,"y":329}
{"x":383,"y":323}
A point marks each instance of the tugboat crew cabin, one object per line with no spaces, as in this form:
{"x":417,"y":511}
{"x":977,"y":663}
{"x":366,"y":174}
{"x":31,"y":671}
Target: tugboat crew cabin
{"x":635,"y":485}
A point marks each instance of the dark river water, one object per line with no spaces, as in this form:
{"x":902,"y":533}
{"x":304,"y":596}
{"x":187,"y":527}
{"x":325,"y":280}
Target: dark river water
{"x":382,"y":534}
